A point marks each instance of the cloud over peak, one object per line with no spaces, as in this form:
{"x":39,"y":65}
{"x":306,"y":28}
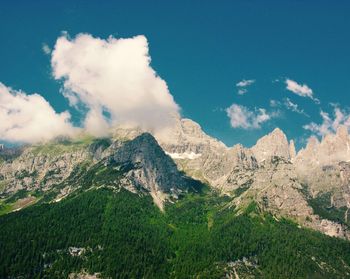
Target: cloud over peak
{"x":113,"y":77}
{"x":110,"y":81}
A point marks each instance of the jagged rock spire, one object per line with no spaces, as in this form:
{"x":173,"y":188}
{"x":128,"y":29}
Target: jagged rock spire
{"x":273,"y":144}
{"x":292,"y":152}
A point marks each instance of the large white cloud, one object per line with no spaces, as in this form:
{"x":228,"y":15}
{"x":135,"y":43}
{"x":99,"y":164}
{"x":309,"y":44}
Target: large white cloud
{"x":113,"y":78}
{"x":30,"y":118}
{"x":241,"y":117}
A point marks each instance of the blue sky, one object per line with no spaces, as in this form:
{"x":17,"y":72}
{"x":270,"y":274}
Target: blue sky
{"x":202,"y":49}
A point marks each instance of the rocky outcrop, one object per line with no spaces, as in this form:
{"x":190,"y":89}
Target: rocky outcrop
{"x":151,"y":169}
{"x":275,"y":187}
{"x":39,"y":170}
{"x":204,"y":157}
{"x":273,"y":144}
{"x":269,"y":172}
{"x":292,"y":151}
{"x":332,"y":149}
{"x":44,"y":166}
{"x":186,"y":138}
{"x":325,"y":167}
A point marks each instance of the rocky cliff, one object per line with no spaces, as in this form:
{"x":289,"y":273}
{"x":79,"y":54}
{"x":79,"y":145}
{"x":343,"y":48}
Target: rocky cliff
{"x":151,"y":169}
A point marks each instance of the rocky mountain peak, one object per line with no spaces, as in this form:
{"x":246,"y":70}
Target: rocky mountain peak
{"x":332,"y":148}
{"x":186,"y":139}
{"x":312,"y":143}
{"x":151,"y":168}
{"x":342,"y":132}
{"x":190,"y":127}
{"x":273,"y":144}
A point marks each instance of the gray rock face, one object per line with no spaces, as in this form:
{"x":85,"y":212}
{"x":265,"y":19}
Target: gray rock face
{"x":186,"y":140}
{"x":204,"y":157}
{"x":292,"y":151}
{"x":269,"y":173}
{"x":276,"y":188}
{"x":273,"y":144}
{"x":151,"y":170}
{"x":325,"y":168}
{"x":332,"y":149}
{"x":34,"y":170}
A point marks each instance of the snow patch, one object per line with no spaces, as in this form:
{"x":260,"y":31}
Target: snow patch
{"x":185,"y":155}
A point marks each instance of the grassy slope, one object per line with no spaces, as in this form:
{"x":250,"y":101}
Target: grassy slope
{"x":126,"y":236}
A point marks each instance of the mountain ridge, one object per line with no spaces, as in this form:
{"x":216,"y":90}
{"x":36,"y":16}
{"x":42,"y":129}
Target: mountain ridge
{"x":271,"y":172}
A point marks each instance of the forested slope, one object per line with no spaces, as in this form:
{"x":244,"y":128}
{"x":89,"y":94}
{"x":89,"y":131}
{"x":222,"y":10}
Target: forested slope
{"x":124,"y":235}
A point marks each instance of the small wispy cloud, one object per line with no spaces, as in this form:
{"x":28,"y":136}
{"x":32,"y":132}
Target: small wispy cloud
{"x":244,"y":83}
{"x":275,"y":103}
{"x":294,"y":107}
{"x":289,"y":105}
{"x":330,"y":123}
{"x":242,"y":91}
{"x":242,"y":86}
{"x":242,"y":117}
{"x":301,"y":90}
{"x":46,"y":49}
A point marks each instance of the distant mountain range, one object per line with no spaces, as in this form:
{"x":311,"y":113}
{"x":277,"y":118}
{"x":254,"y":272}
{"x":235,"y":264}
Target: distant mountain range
{"x":186,"y":173}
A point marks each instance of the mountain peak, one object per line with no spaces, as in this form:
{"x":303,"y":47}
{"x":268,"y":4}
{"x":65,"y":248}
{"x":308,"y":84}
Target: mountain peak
{"x":277,"y":131}
{"x":152,"y":170}
{"x":273,"y":144}
{"x":342,"y":132}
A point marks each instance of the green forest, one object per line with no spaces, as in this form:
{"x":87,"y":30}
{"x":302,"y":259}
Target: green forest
{"x":124,"y":235}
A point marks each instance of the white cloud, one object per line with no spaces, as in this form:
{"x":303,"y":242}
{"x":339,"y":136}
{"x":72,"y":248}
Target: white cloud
{"x":300,"y":89}
{"x":113,"y":76}
{"x":275,"y":103}
{"x":242,"y":91}
{"x":30,"y":118}
{"x":241,"y":117}
{"x":46,"y":49}
{"x":294,"y":107}
{"x":245,"y":83}
{"x":242,"y":86}
{"x":288,"y":104}
{"x":330,"y":124}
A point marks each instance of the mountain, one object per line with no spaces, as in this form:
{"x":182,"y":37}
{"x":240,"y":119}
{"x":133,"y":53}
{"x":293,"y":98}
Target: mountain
{"x":324,"y":167}
{"x":138,"y":164}
{"x":269,"y":173}
{"x":204,"y":157}
{"x":177,"y":204}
